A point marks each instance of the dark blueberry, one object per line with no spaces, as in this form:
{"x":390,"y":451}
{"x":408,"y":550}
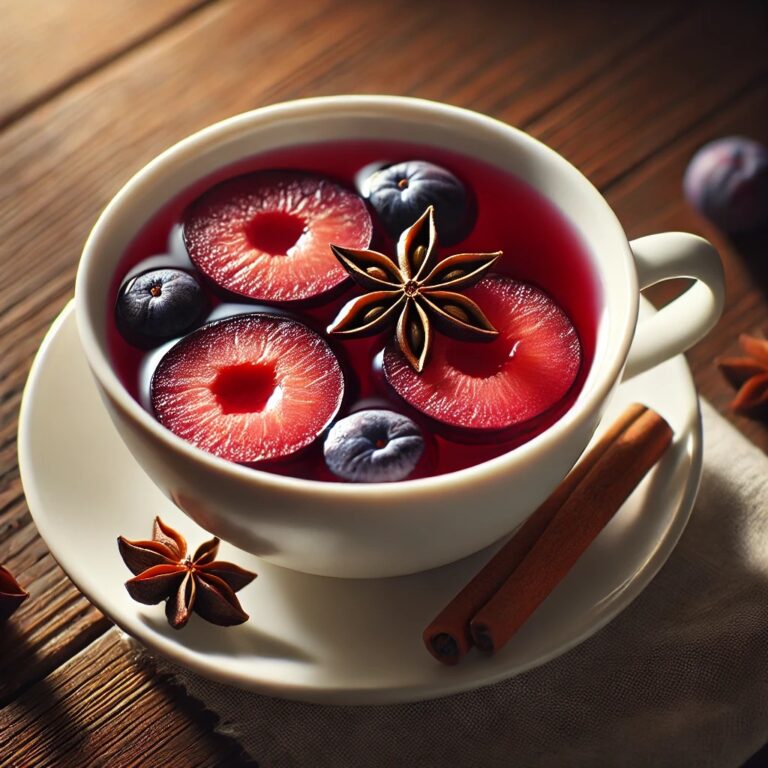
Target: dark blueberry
{"x":373,"y":447}
{"x":727,"y":181}
{"x":402,"y":192}
{"x":159,"y":305}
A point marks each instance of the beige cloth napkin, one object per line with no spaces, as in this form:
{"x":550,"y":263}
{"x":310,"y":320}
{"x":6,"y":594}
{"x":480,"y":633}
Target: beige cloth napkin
{"x":680,"y":678}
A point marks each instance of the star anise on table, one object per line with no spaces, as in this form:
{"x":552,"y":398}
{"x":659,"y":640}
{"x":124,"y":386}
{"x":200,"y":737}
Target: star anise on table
{"x":200,"y":583}
{"x":749,"y":375}
{"x":11,"y":594}
{"x":418,"y":292}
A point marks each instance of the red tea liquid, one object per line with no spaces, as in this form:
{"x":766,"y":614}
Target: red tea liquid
{"x":540,"y":246}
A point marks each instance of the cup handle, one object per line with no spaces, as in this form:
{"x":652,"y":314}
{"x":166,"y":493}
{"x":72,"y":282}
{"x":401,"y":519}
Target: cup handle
{"x":688,"y":318}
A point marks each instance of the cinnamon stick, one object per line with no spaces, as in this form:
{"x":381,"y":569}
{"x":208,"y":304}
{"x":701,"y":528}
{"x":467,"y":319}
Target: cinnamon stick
{"x":448,"y":636}
{"x":576,"y":524}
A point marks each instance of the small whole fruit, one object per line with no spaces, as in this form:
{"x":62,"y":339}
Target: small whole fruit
{"x":402,"y":192}
{"x":159,"y":305}
{"x":265,"y":235}
{"x":373,"y":446}
{"x":727,"y":181}
{"x":248,"y":388}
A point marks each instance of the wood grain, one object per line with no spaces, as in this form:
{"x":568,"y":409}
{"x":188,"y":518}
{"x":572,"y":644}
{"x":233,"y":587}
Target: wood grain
{"x":626,"y":91}
{"x":86,"y":713}
{"x":48,"y":45}
{"x":648,"y":99}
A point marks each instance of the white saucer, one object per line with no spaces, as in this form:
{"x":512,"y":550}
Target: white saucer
{"x":314,"y":638}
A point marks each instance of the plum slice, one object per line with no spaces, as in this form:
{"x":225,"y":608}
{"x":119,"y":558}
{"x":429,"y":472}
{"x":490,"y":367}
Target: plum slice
{"x":248,"y":388}
{"x":265,"y":235}
{"x":502,"y":385}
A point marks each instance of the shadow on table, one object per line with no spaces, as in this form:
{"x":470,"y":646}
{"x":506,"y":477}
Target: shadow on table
{"x":18,"y":657}
{"x":43,"y":708}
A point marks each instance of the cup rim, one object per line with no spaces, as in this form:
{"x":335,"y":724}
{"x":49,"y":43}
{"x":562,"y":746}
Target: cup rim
{"x":587,"y":402}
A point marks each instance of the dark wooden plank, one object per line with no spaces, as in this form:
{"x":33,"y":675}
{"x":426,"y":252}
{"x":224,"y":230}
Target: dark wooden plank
{"x":85,"y":713}
{"x":651,"y":96}
{"x":513,"y":60}
{"x":46,"y":46}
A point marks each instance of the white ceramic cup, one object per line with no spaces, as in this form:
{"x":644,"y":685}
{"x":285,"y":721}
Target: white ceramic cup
{"x":374,"y":530}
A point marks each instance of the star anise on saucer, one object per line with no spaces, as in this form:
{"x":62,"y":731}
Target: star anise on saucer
{"x":418,"y":292}
{"x":11,"y":594}
{"x":749,"y":375}
{"x":200,"y":583}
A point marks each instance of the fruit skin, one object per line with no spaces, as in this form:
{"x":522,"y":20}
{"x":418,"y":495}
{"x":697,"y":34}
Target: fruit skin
{"x":500,"y":390}
{"x":159,"y":305}
{"x":265,"y":235}
{"x":727,"y":181}
{"x":373,"y":446}
{"x":249,"y":388}
{"x":402,"y":192}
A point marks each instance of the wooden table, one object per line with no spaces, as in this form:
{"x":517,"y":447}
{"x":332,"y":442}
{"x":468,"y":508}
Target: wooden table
{"x":91,"y":91}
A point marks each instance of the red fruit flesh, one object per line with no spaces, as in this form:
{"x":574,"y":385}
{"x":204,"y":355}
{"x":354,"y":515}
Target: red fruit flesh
{"x":266,"y":235}
{"x":503,"y":384}
{"x":248,"y":388}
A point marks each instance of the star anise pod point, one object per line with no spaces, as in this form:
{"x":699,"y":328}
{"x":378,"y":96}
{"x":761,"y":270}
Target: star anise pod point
{"x":418,"y":292}
{"x":748,"y":374}
{"x":163,"y":570}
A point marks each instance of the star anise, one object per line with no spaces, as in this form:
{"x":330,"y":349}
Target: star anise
{"x":11,"y":594}
{"x":749,"y":375}
{"x":418,"y":291}
{"x":199,"y":583}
